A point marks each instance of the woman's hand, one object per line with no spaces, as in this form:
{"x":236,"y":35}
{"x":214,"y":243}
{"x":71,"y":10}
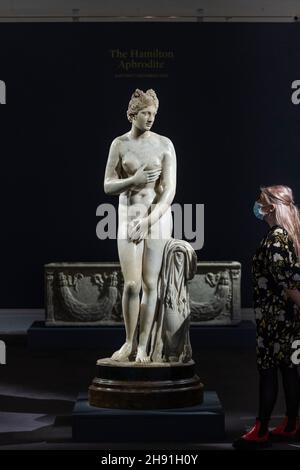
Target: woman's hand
{"x":138,"y":229}
{"x":142,"y":176}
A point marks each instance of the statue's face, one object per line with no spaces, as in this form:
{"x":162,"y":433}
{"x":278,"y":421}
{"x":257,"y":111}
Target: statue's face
{"x":144,"y":119}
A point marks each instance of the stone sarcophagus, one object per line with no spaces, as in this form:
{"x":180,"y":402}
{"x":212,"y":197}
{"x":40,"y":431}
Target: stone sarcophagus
{"x":215,"y":293}
{"x":91,"y":294}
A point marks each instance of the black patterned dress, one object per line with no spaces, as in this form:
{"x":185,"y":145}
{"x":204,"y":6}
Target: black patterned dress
{"x":275,"y":269}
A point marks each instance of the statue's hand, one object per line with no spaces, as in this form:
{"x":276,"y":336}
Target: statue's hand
{"x":138,"y":229}
{"x":142,"y":176}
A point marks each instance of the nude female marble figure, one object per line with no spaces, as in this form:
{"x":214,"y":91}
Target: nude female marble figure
{"x":141,"y":169}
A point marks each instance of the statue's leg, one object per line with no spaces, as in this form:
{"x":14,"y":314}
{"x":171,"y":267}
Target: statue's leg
{"x":130,"y":255}
{"x":152,"y":260}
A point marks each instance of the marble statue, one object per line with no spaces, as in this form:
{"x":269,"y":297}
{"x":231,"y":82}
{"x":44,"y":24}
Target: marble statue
{"x":141,"y":169}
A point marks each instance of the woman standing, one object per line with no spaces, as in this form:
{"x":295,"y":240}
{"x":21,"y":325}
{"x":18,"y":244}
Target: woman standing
{"x":276,"y":280}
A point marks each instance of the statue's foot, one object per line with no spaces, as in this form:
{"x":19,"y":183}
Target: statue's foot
{"x":123,"y":353}
{"x":142,"y":356}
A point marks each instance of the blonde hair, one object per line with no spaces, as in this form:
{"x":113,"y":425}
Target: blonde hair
{"x":286,"y":212}
{"x":140,"y":100}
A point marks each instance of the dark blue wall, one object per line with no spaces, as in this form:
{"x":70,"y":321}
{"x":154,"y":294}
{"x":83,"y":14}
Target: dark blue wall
{"x":225,"y":103}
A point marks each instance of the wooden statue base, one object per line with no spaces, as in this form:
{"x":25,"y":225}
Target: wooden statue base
{"x":138,"y":386}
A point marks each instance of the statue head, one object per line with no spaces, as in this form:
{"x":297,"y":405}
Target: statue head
{"x":140,"y":100}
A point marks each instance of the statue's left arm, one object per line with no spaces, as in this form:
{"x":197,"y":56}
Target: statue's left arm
{"x":168,"y":183}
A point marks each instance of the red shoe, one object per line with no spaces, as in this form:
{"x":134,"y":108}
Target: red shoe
{"x":252,"y":440}
{"x":280,"y":434}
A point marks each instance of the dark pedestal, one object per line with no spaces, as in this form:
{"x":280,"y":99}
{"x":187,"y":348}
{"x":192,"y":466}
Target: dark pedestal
{"x":136,"y":386}
{"x":109,"y":338}
{"x":199,"y":423}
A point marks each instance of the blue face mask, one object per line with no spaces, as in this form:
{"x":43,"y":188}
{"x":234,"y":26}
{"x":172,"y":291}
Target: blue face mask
{"x":257,"y":209}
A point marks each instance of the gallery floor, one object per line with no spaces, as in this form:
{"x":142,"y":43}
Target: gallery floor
{"x":38,"y":390}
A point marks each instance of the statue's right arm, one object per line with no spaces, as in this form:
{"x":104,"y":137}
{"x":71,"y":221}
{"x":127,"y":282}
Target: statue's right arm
{"x":113,"y":183}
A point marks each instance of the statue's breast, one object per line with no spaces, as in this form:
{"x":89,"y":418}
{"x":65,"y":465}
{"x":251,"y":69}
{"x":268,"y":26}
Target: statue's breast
{"x":131,"y":161}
